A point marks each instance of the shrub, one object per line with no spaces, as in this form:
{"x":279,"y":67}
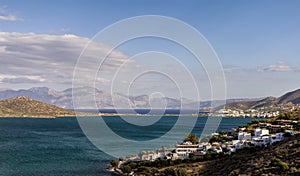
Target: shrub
{"x":133,"y":165}
{"x":114,"y":163}
{"x":191,"y":138}
{"x":175,"y":172}
{"x":126,"y":169}
{"x":280,"y":164}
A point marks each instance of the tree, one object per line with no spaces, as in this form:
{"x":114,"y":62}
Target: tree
{"x":191,"y":138}
{"x":114,"y":163}
{"x":126,"y":169}
{"x":223,"y":132}
{"x":287,"y":116}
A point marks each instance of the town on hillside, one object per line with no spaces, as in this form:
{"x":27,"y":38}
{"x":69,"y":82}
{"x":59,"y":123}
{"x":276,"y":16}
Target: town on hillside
{"x":261,"y":112}
{"x":258,"y":133}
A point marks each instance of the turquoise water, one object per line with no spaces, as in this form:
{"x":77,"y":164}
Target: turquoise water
{"x":34,"y":147}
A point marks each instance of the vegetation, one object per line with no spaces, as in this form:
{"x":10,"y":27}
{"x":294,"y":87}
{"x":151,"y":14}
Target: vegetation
{"x":280,"y":165}
{"x":279,"y":159}
{"x":218,"y":139}
{"x":126,"y":169}
{"x":282,"y":158}
{"x":26,"y":107}
{"x":175,"y":172}
{"x":288,"y":116}
{"x":159,"y":166}
{"x":191,"y":138}
{"x":114,"y":163}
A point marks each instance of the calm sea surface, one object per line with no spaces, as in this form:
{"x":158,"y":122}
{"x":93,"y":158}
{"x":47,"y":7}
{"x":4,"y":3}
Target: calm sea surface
{"x":34,"y":147}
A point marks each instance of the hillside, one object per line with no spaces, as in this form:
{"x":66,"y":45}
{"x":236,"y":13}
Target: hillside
{"x":25,"y":107}
{"x":293,"y":97}
{"x":288,"y":98}
{"x":280,"y":159}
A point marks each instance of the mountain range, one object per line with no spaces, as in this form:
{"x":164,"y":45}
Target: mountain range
{"x":290,"y":98}
{"x":104,"y":100}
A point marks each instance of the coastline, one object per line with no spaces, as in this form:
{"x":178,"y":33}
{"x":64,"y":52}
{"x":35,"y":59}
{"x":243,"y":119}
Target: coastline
{"x":239,"y":151}
{"x":82,"y":114}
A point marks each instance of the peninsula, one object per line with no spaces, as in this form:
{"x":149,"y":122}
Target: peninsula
{"x":26,"y":107}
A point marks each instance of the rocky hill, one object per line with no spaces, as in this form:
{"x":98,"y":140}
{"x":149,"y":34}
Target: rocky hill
{"x":288,"y":98}
{"x":293,"y":97}
{"x":26,"y":107}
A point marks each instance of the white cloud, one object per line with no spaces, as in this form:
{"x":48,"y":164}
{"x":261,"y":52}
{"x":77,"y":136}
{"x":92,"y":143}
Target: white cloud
{"x":278,"y":67}
{"x":7,"y":14}
{"x":235,"y":69}
{"x":21,"y":79}
{"x":50,"y":58}
{"x":8,"y":18}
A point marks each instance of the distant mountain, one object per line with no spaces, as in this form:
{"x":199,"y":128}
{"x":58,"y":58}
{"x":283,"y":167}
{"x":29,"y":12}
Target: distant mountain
{"x":292,"y":97}
{"x":221,"y":103}
{"x":288,"y":98}
{"x":43,"y":94}
{"x":26,"y":107}
{"x":105,"y":100}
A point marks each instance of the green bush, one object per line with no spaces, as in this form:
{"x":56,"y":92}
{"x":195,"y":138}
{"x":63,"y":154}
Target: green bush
{"x":175,"y":172}
{"x":279,"y":164}
{"x":114,"y":163}
{"x":126,"y":169}
{"x":191,"y":138}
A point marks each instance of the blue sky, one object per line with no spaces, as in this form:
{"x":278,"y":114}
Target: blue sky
{"x":257,"y":41}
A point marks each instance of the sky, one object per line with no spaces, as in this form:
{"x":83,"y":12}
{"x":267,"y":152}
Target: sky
{"x":257,"y":43}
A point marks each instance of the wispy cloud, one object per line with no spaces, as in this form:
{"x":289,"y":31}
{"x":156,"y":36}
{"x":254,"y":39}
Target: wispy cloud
{"x":235,"y":69}
{"x":8,"y":18}
{"x":278,"y":67}
{"x":7,"y":15}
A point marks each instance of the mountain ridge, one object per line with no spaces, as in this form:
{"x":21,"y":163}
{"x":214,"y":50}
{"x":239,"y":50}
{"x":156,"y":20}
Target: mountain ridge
{"x":292,"y":97}
{"x":104,"y":100}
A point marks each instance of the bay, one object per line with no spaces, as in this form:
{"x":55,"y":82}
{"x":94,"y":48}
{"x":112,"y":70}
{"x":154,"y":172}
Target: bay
{"x":34,"y":147}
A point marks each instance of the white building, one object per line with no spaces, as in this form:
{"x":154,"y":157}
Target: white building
{"x":276,"y":137}
{"x":183,"y":150}
{"x":238,"y":144}
{"x":244,"y":136}
{"x":291,"y":132}
{"x":153,"y":155}
{"x":260,"y":132}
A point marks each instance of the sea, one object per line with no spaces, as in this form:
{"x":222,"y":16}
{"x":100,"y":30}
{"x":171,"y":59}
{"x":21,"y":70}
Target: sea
{"x":59,"y":147}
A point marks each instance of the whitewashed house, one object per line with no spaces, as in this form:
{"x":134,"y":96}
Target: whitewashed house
{"x":238,"y":144}
{"x":260,"y":132}
{"x":231,"y":148}
{"x":291,"y":132}
{"x":183,"y":150}
{"x":276,"y":137}
{"x":244,"y":136}
{"x":153,"y":155}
